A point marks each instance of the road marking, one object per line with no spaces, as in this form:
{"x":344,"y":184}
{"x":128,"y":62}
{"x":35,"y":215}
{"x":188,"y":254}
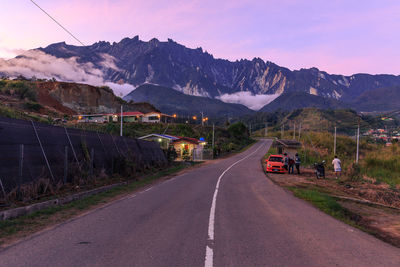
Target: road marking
{"x":211,"y":222}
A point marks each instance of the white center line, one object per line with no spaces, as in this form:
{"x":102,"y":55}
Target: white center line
{"x":211,"y":222}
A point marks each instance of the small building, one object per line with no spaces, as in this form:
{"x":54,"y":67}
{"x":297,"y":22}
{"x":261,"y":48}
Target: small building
{"x":93,"y":118}
{"x":163,"y":139}
{"x":157,"y":117}
{"x":187,"y":144}
{"x":287,"y":146}
{"x":132,"y":116}
{"x":152,"y":117}
{"x":182,"y":145}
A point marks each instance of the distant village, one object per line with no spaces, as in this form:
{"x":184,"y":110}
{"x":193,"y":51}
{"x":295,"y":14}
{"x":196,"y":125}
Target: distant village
{"x":131,"y":116}
{"x":186,"y":148}
{"x":383,"y":135}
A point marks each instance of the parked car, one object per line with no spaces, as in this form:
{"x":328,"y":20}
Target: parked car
{"x":275,"y":164}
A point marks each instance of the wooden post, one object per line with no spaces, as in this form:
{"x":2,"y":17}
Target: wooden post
{"x":44,"y":154}
{"x":334,"y":143}
{"x":65,"y":164}
{"x":3,"y":190}
{"x":112,"y":165}
{"x":213,"y":138}
{"x":91,"y":160}
{"x":20,"y":168}
{"x":358,"y":140}
{"x":122,"y":118}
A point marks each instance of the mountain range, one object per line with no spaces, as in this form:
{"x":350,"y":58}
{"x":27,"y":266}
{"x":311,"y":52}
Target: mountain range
{"x":171,"y":101}
{"x":196,"y":72}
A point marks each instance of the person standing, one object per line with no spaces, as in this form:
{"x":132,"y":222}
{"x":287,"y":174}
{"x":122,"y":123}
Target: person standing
{"x":291,"y":165}
{"x":285,"y":162}
{"x":337,"y":166}
{"x":297,"y":162}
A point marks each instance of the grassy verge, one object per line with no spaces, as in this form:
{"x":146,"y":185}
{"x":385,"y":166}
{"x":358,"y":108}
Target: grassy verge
{"x":326,"y":204}
{"x":25,"y":225}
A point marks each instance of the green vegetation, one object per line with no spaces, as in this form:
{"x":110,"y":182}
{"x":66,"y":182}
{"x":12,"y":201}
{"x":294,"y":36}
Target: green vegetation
{"x":16,"y":114}
{"x":330,"y":206}
{"x":22,"y":89}
{"x":226,"y":140}
{"x":323,"y":202}
{"x":271,"y":151}
{"x":313,"y":119}
{"x":383,"y":164}
{"x":376,"y":160}
{"x":33,"y":106}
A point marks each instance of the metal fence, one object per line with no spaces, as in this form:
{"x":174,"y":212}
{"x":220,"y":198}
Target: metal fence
{"x":31,"y":150}
{"x":200,"y":154}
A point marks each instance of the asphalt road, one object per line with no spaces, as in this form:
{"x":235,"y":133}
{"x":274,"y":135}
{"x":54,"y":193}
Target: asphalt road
{"x":247,"y":221}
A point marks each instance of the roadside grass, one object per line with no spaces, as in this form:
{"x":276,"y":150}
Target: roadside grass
{"x":271,"y":151}
{"x":383,"y":164}
{"x":25,"y":225}
{"x":327,"y":204}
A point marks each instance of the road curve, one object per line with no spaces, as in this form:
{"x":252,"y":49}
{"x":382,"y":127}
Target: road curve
{"x":255,"y":223}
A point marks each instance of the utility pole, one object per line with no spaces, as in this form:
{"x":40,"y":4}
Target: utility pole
{"x":213,"y":139}
{"x":122,"y":118}
{"x":358,"y":139}
{"x":250,"y":128}
{"x":299,"y":131}
{"x":294,"y":131}
{"x":334,"y":143}
{"x":202,"y":118}
{"x":266,"y":129}
{"x":282,"y":128}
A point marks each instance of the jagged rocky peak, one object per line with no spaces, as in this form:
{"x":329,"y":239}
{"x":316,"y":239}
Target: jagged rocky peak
{"x":195,"y":71}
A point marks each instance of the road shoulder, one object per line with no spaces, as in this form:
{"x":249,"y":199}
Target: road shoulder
{"x":359,"y":204}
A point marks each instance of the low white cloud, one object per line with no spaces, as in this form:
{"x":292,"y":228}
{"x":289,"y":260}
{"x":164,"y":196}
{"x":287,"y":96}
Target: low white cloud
{"x":254,"y":102}
{"x":35,"y":63}
{"x":121,"y":90}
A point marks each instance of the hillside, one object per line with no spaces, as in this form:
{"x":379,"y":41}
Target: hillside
{"x":297,"y":100}
{"x":381,"y":99}
{"x":345,"y":120}
{"x":56,"y":99}
{"x":171,"y":101}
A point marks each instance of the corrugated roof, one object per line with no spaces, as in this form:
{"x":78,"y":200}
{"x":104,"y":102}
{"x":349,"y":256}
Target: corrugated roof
{"x":171,"y":137}
{"x":131,"y":113}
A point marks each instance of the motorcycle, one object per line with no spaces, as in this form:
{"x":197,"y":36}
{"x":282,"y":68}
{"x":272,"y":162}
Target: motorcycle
{"x":320,"y":170}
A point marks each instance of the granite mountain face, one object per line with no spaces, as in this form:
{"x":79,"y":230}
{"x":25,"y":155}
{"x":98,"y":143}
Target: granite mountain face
{"x":196,"y":72}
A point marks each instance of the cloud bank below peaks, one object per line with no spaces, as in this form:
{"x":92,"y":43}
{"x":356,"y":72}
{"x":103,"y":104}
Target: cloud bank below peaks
{"x":35,"y":63}
{"x":254,"y":102}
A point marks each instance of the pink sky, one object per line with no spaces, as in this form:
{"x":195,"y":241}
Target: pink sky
{"x":336,"y":36}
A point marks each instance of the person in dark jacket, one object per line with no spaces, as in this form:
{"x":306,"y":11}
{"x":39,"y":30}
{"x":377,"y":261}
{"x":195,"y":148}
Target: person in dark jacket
{"x":291,"y":165}
{"x":297,"y":161}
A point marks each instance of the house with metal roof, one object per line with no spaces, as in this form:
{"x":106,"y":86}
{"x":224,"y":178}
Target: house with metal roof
{"x":163,"y":139}
{"x":181,"y":144}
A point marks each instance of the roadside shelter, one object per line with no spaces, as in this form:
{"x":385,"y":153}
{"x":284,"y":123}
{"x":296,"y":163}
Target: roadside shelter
{"x":289,"y":146}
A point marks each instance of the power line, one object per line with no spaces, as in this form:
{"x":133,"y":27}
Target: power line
{"x":59,"y":24}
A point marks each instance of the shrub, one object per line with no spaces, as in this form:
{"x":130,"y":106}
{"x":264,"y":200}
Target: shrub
{"x":355,"y":172}
{"x":33,"y":106}
{"x":22,"y":89}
